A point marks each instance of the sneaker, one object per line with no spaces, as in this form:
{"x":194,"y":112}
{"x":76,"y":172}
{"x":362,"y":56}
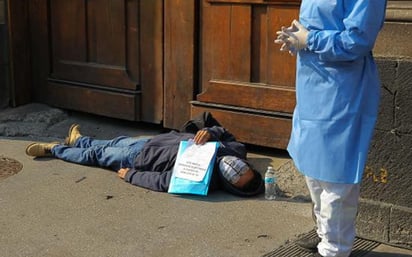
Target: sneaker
{"x":40,"y":149}
{"x":73,"y":135}
{"x":309,"y":244}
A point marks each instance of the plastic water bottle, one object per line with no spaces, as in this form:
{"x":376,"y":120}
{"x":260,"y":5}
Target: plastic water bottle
{"x":270,"y":184}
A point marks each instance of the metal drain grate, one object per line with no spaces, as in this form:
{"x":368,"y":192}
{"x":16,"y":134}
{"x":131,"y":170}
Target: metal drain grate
{"x":9,"y":167}
{"x":360,"y":248}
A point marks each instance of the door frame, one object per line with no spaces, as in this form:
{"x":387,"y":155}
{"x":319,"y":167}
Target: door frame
{"x":19,"y":52}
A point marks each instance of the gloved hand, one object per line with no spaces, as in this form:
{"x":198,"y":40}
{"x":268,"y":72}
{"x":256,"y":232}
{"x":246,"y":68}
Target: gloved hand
{"x":293,"y":38}
{"x":283,"y":35}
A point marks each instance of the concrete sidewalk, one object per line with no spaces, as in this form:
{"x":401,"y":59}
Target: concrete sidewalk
{"x":55,"y":208}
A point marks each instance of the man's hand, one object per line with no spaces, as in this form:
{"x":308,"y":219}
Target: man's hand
{"x":122,"y":172}
{"x":201,"y":137}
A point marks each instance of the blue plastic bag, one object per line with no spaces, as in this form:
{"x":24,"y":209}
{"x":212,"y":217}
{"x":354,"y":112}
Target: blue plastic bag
{"x":190,"y":174}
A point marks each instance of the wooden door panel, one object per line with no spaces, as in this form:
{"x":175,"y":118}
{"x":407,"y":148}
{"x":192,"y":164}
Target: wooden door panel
{"x":99,"y":56}
{"x":238,"y":47}
{"x":151,"y":59}
{"x":180,"y":60}
{"x":281,"y":66}
{"x":243,"y":71}
{"x":112,"y":104}
{"x":226,"y":43}
{"x":89,"y":42}
{"x":260,"y":41}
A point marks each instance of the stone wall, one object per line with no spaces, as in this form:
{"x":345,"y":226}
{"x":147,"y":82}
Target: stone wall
{"x":4,"y":60}
{"x":385,"y":212}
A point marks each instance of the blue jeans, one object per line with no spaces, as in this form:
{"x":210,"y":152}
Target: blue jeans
{"x":116,"y":153}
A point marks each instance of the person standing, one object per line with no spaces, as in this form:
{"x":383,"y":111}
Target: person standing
{"x":337,"y":95}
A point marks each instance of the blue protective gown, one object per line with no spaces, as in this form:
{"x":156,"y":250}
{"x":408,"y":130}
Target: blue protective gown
{"x":337,"y":89}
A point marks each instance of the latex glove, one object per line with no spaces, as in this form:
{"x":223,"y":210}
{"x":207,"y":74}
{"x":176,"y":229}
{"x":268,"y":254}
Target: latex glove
{"x":284,"y":33}
{"x":293,"y":38}
{"x":282,"y":38}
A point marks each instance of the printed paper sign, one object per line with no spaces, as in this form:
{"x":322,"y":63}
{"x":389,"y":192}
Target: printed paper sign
{"x":193,"y":163}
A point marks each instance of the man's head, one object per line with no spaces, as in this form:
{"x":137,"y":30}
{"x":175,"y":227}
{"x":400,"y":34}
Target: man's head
{"x":236,"y":171}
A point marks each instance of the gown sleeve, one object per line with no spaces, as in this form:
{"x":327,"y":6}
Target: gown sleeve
{"x":362,"y":21}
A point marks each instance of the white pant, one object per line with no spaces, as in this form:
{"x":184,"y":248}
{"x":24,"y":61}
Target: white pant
{"x":335,"y":208}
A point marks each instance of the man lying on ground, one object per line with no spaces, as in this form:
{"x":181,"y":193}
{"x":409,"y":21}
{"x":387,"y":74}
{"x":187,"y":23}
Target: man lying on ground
{"x":148,"y":162}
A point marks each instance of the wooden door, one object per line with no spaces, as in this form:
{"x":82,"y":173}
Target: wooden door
{"x":246,"y":82}
{"x":102,"y":57}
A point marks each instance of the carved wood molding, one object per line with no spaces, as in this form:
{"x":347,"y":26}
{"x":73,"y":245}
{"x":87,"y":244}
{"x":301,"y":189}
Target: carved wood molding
{"x":258,"y":128}
{"x":398,"y":10}
{"x":250,"y":95}
{"x":283,"y":2}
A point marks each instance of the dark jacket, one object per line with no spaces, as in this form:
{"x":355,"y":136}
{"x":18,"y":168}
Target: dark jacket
{"x":154,"y":164}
